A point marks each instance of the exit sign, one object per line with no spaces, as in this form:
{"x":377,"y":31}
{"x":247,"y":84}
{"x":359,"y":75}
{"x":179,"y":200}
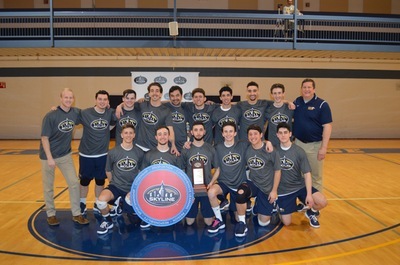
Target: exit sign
{"x":3,"y":85}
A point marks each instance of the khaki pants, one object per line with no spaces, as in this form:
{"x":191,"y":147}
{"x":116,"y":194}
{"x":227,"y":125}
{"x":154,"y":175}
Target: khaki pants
{"x":311,"y":150}
{"x":67,"y":168}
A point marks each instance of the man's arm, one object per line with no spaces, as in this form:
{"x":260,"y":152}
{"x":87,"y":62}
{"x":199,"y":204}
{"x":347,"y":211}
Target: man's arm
{"x":214,"y":178}
{"x":274,"y":192}
{"x":326,"y":135}
{"x":109,"y":175}
{"x":46,"y":147}
{"x":171,"y":139}
{"x":308,"y":181}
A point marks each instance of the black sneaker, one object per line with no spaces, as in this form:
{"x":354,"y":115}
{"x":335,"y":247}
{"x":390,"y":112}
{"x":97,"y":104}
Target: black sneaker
{"x":216,"y":226}
{"x":83,"y":208}
{"x":224,"y":205}
{"x":105,"y":226}
{"x":313,"y":218}
{"x":116,"y":209}
{"x":240,"y":229}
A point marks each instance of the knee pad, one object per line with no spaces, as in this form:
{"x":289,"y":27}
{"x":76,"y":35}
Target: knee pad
{"x":101,"y":204}
{"x":245,"y":196}
{"x":85,"y":182}
{"x":100,"y":182}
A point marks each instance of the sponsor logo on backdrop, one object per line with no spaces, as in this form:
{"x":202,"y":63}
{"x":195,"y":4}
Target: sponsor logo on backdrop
{"x":140,"y":80}
{"x":180,"y":80}
{"x":160,"y":79}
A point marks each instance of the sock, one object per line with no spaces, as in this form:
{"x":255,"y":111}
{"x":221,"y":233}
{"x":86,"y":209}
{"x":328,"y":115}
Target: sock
{"x":217,"y":212}
{"x":242,"y":218}
{"x":83,"y":200}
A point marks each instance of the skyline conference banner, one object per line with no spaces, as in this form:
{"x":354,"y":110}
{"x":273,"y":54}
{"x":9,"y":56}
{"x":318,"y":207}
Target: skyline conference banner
{"x":186,"y":80}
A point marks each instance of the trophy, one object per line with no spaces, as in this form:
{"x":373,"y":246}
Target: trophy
{"x":199,"y":186}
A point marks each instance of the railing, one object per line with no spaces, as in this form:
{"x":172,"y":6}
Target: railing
{"x":133,"y":28}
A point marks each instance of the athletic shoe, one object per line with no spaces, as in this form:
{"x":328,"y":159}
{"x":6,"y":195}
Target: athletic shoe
{"x":53,"y":221}
{"x":96,"y":209}
{"x":83,"y":208}
{"x":116,"y":209}
{"x":144,"y":225}
{"x":80,"y":220}
{"x":249,"y":207}
{"x":313,"y":219}
{"x":301,"y":207}
{"x":104,"y":227}
{"x":240,"y":229}
{"x":216,"y":226}
{"x":224,"y":205}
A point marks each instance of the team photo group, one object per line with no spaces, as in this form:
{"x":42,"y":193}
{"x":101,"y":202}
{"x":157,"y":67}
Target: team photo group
{"x":259,"y":157}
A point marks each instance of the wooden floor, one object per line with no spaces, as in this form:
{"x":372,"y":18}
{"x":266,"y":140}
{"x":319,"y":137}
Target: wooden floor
{"x":359,"y":226}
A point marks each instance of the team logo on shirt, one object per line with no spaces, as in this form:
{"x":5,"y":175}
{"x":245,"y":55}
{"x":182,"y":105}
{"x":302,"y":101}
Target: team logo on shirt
{"x":231,"y":159}
{"x":150,"y":118}
{"x":66,"y":126}
{"x":226,"y":119}
{"x":252,"y":114}
{"x":99,"y":124}
{"x":126,"y":164}
{"x":198,"y":157}
{"x":203,"y":117}
{"x":127,"y":120}
{"x":162,"y":195}
{"x":278,"y":118}
{"x":159,"y":161}
{"x":178,"y":117}
{"x":255,"y":163}
{"x":286,"y":163}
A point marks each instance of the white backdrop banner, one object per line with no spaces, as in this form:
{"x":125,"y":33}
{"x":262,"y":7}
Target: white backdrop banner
{"x":186,"y":80}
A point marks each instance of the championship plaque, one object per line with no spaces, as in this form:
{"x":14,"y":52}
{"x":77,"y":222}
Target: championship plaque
{"x":199,"y":186}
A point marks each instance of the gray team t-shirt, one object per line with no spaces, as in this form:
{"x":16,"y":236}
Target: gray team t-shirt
{"x":152,"y":118}
{"x":252,"y":114}
{"x":58,"y":126}
{"x":124,"y":166}
{"x":219,"y":116}
{"x":262,"y":166}
{"x":294,"y":164}
{"x":205,"y":153}
{"x":96,"y":131}
{"x":232,"y":163}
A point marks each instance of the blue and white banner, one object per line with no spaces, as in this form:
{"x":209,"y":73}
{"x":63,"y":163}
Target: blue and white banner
{"x":186,"y":80}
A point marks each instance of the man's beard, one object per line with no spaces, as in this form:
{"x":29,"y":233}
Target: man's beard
{"x":198,"y":139}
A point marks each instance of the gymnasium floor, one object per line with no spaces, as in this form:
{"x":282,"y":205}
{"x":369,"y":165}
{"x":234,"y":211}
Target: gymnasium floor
{"x":359,"y":226}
